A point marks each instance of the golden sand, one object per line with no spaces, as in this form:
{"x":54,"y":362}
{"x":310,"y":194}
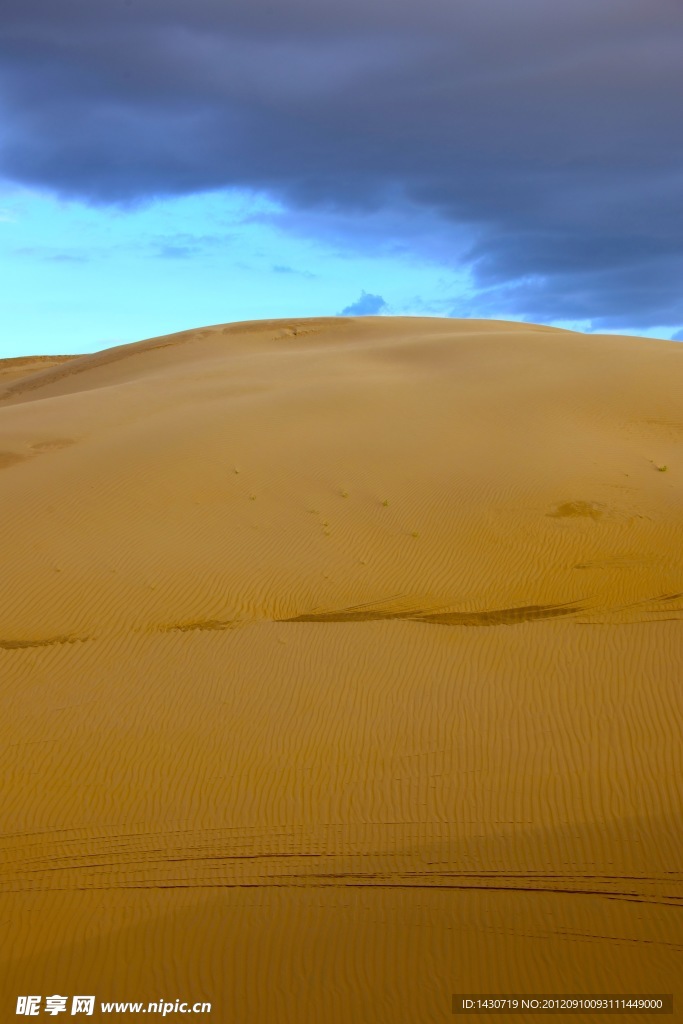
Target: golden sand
{"x":340,"y":669}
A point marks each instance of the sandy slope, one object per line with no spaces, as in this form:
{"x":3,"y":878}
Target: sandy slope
{"x":340,"y":668}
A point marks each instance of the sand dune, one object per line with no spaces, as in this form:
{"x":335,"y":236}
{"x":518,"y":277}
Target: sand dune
{"x":340,"y":668}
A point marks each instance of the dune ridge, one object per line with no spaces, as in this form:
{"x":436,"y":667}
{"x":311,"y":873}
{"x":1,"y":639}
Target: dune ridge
{"x":340,"y":667}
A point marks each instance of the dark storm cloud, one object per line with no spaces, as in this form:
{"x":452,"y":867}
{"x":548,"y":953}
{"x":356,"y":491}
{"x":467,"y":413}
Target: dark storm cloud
{"x":548,"y":134}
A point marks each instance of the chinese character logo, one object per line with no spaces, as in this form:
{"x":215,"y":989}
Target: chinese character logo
{"x":28,"y":1006}
{"x":55,"y":1005}
{"x":82,"y":1004}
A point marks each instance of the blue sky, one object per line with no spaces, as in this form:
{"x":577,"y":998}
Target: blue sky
{"x":78,"y":278}
{"x":166,"y":165}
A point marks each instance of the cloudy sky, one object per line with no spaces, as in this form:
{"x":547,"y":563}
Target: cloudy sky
{"x":166,"y":164}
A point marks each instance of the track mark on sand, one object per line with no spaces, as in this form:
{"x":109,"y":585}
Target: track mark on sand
{"x":287,"y":856}
{"x":575,"y":509}
{"x":13,"y":645}
{"x":184,"y":627}
{"x":488,"y":617}
{"x":370,"y":612}
{"x":53,"y":445}
{"x":10,"y":459}
{"x":618,"y":562}
{"x":502,"y":616}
